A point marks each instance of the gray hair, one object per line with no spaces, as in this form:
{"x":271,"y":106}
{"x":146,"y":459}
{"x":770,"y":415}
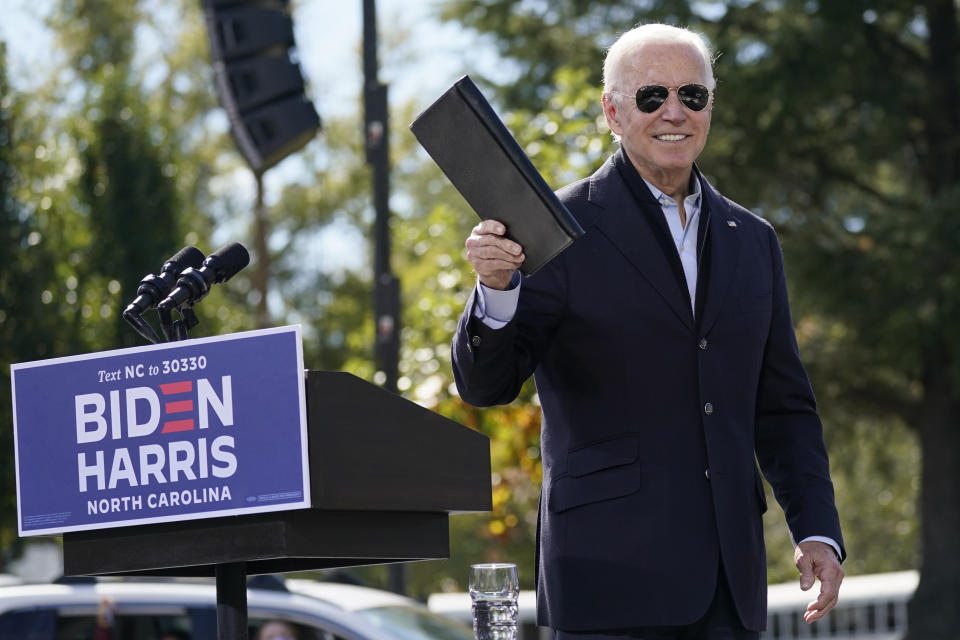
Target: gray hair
{"x":631,"y":41}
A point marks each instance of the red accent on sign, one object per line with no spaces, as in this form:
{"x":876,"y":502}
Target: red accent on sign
{"x":179,"y":406}
{"x":176,"y":387}
{"x":177,"y":425}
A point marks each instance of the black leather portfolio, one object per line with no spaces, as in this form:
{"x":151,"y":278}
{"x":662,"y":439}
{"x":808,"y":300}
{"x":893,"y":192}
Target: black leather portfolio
{"x":466,"y":138}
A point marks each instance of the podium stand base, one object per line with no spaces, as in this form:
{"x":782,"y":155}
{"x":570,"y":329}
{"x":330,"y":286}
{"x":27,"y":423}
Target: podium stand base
{"x":273,"y":542}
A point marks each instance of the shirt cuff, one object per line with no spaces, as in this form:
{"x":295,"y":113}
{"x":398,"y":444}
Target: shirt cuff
{"x":824,"y":539}
{"x":494,"y":307}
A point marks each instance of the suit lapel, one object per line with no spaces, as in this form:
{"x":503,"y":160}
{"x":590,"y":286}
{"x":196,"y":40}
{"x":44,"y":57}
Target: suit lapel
{"x":630,"y":232}
{"x":724,"y":253}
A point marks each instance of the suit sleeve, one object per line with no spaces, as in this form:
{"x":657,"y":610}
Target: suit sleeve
{"x":491,"y":365}
{"x":789,"y":436}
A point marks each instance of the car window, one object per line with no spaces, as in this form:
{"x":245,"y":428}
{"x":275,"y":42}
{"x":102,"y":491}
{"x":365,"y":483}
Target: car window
{"x":74,"y":627}
{"x":145,"y":622}
{"x":65,"y":624}
{"x":409,"y":623}
{"x":52,"y":623}
{"x":32,"y":624}
{"x":273,"y":629}
{"x":45,"y":624}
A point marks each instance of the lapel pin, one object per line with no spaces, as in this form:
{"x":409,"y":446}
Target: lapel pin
{"x":732,"y":224}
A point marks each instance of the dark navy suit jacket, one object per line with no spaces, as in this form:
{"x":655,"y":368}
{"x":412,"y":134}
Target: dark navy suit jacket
{"x":653,"y":422}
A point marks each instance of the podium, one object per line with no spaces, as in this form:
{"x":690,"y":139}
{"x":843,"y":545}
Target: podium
{"x":385,"y":474}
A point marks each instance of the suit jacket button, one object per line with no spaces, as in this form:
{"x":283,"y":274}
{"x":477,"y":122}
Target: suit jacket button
{"x":702,"y":344}
{"x":475,"y":341}
{"x":708,"y":408}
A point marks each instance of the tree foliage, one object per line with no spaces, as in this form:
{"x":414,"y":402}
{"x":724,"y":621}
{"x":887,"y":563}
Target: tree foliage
{"x":38,"y":288}
{"x":94,"y":173}
{"x":11,"y":286}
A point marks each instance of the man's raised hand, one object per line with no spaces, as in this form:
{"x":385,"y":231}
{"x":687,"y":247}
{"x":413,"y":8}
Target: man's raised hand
{"x":494,"y":257}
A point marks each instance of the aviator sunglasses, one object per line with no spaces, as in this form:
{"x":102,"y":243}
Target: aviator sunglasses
{"x":652,"y":96}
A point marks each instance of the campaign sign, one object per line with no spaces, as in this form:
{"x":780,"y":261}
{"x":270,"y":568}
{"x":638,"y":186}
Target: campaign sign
{"x":176,"y":431}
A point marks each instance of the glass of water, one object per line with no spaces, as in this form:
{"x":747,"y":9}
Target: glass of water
{"x":494,"y":589}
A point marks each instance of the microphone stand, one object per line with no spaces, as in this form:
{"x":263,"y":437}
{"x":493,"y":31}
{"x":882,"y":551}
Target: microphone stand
{"x":188,"y":320}
{"x":174,"y":330}
{"x":141,"y":326}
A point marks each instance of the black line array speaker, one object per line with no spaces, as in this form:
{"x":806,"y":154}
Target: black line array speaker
{"x":259,"y":84}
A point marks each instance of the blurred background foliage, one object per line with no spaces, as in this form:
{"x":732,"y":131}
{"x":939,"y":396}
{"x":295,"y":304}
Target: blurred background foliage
{"x":839,"y":122}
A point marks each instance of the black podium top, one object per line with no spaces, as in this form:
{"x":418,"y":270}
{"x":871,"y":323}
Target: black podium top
{"x":373,"y":450}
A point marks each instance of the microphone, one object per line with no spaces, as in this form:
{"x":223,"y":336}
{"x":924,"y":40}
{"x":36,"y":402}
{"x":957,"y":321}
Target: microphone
{"x":154,"y":288}
{"x":194,"y":284}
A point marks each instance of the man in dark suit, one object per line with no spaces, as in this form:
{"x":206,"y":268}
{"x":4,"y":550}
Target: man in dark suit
{"x":667,"y":367}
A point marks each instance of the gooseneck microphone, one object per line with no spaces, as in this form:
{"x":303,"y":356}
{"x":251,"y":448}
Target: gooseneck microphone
{"x":194,"y":284}
{"x":153,"y":288}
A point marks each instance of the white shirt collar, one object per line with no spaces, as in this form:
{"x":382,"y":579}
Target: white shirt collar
{"x":664,"y":199}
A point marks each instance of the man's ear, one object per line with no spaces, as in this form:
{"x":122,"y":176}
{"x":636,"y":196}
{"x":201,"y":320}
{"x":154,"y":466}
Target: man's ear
{"x":611,"y":113}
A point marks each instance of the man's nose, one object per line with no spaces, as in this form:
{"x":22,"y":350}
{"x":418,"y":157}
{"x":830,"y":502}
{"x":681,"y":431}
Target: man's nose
{"x":672,"y":110}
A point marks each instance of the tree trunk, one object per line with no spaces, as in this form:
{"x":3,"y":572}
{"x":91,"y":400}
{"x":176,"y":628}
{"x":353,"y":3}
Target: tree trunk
{"x":942,"y":166}
{"x":933,"y":612}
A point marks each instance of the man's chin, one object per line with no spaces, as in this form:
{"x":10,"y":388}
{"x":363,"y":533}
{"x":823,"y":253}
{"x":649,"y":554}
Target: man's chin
{"x":676,"y":162}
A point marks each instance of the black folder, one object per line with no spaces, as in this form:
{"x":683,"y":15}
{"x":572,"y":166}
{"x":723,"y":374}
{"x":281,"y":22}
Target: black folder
{"x":469,"y":142}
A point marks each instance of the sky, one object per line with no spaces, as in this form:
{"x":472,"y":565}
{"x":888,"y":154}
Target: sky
{"x":328,"y":35}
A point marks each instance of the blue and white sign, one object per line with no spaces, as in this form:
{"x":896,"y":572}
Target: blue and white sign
{"x":176,"y":431}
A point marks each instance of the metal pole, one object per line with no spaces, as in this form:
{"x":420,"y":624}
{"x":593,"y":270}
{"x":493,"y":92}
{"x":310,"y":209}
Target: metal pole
{"x":262,"y":273}
{"x":232,"y":601}
{"x":386,"y":296}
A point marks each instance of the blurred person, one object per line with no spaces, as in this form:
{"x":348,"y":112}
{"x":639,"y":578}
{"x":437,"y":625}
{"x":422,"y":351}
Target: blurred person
{"x":277,"y":630}
{"x":667,"y":367}
{"x":106,"y":612}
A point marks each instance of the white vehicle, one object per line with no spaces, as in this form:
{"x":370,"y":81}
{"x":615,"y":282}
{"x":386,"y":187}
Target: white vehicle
{"x":153,"y":609}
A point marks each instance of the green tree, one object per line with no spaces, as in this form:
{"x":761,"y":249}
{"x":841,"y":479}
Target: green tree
{"x":38,"y":294}
{"x":98,"y":167}
{"x":840,"y":122}
{"x":10,"y":236}
{"x":129,"y":205}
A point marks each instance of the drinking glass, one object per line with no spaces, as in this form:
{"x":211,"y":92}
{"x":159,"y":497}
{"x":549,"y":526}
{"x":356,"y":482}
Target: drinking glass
{"x":494,"y":589}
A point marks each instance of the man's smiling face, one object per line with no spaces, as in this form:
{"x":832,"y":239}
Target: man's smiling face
{"x":665,"y":143}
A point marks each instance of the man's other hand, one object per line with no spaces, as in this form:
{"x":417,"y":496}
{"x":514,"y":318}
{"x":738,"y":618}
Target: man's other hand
{"x":493,"y":257}
{"x":818,"y":560}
